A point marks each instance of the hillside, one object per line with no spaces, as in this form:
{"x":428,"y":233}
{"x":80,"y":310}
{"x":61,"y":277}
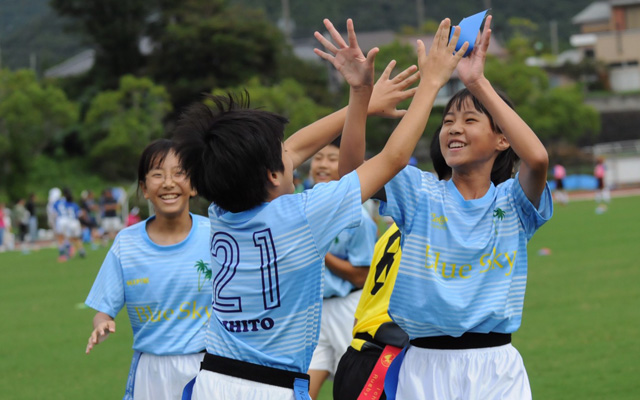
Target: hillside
{"x":383,"y":14}
{"x":30,"y":27}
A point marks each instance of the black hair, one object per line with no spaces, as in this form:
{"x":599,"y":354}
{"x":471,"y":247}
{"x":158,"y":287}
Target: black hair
{"x":153,"y":156}
{"x":228,"y":150}
{"x":336,"y":141}
{"x":503,"y":166}
{"x":66,"y":193}
{"x":439,"y":164}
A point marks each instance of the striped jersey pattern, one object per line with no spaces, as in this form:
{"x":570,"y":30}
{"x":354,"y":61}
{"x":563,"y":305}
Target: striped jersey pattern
{"x":166,"y":297}
{"x":267,"y":266}
{"x":464,"y":262}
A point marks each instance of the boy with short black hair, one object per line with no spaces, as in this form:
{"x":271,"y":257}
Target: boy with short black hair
{"x":267,"y":252}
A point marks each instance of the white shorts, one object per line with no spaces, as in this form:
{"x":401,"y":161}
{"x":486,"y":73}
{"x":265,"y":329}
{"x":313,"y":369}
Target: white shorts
{"x":111,"y":224}
{"x":68,"y":227}
{"x":474,"y":374}
{"x":213,"y":386}
{"x":164,"y":377}
{"x":336,"y":329}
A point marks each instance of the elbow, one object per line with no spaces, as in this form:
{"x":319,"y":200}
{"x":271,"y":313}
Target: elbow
{"x":539,"y":161}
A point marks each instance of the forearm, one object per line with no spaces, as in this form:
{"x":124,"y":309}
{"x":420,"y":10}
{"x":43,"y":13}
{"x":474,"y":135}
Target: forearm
{"x":521,"y":138}
{"x":353,"y":143}
{"x":345,"y":270}
{"x":303,"y":144}
{"x":396,"y":153}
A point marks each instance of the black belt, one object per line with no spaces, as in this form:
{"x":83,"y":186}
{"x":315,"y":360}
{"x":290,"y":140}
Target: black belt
{"x":469,"y":340}
{"x":250,"y":371}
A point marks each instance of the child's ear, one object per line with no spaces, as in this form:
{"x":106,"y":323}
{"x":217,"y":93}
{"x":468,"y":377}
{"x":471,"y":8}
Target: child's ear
{"x":143,"y":187}
{"x":273,"y":178}
{"x":503,"y":143}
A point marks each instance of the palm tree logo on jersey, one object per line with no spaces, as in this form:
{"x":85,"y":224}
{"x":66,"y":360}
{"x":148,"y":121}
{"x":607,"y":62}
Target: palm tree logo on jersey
{"x":499,"y":214}
{"x":203,"y":269}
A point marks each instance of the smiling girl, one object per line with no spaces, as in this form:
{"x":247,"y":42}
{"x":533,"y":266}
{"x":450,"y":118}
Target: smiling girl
{"x":150,"y":269}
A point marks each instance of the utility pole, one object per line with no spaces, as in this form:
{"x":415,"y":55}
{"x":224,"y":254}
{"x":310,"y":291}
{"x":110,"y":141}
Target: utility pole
{"x":286,"y":19}
{"x":553,"y":26}
{"x":420,"y":13}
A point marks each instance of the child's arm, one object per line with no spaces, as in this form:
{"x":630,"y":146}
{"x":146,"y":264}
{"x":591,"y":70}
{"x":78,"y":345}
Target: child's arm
{"x":435,"y":70}
{"x":387,"y":93}
{"x":103,"y":325}
{"x":532,"y":153}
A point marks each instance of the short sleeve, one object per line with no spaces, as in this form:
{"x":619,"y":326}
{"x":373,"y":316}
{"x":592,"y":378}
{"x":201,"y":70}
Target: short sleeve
{"x":532,"y":218}
{"x":107,"y":293}
{"x":332,"y":207}
{"x":402,"y":196}
{"x":362,"y":242}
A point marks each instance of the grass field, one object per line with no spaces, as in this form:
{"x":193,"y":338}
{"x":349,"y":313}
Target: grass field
{"x":579,"y":338}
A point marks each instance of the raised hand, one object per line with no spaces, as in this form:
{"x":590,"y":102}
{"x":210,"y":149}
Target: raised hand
{"x":471,"y":68}
{"x":356,"y":69}
{"x":388,"y":92}
{"x":437,"y":66}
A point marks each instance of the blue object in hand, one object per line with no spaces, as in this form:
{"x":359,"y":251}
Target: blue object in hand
{"x":469,"y":28}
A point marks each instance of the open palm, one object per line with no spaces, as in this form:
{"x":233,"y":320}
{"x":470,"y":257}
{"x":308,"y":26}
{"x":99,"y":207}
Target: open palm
{"x":349,"y":59}
{"x":471,"y":68}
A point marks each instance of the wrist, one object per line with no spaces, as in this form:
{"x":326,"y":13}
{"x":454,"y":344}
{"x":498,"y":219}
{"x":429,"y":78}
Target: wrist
{"x":478,"y":85}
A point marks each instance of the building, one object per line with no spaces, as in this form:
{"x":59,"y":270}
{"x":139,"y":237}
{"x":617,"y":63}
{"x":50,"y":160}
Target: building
{"x":610,"y":33}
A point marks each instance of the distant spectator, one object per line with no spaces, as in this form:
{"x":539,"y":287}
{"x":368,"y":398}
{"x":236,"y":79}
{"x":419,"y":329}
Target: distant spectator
{"x":111,"y":223}
{"x":134,"y":216}
{"x":2,"y":226}
{"x":21,"y":223}
{"x":54,"y":195}
{"x":559,"y":173}
{"x":89,"y":215}
{"x":33,"y":218}
{"x":603,"y":196}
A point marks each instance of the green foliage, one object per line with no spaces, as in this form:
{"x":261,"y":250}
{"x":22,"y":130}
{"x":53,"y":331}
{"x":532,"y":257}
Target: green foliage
{"x":203,"y":44}
{"x":113,"y":27}
{"x":554,"y":114}
{"x":120,"y":123}
{"x":32,"y":116}
{"x":286,"y":98}
{"x":560,"y":114}
{"x":518,"y":80}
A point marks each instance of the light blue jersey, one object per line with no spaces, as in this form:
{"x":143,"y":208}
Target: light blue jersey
{"x":354,"y":245}
{"x":267,"y":268}
{"x":166,"y":296}
{"x":464,"y":262}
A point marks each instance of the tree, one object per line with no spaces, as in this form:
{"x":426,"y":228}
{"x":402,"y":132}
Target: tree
{"x":561,"y":115}
{"x":203,"y":44}
{"x":120,"y":123}
{"x":32,"y":116}
{"x":114,"y":27}
{"x":286,"y":98}
{"x":553,"y":113}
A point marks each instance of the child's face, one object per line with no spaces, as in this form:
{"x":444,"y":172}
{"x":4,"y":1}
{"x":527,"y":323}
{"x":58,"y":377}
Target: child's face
{"x":168,"y":188}
{"x":466,"y":137}
{"x":324,"y":165}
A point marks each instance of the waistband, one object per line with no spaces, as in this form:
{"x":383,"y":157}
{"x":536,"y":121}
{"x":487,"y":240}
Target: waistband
{"x":469,"y":340}
{"x":250,"y":371}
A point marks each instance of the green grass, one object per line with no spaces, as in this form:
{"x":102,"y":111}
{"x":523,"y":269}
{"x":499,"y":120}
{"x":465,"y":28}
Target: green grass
{"x":579,"y":337}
